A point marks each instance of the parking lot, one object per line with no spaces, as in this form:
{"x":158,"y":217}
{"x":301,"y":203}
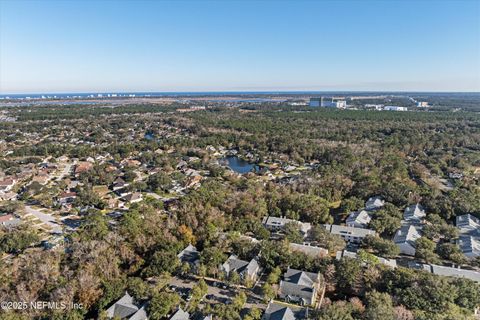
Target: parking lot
{"x":217,"y":292}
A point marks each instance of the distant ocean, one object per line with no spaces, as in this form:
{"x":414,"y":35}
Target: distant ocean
{"x":209,"y":93}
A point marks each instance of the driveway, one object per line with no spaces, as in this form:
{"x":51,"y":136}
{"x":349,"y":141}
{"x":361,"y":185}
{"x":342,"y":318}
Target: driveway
{"x":46,"y":219}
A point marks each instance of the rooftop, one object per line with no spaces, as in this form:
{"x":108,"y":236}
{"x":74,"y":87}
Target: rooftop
{"x":349,"y":231}
{"x":406,"y":233}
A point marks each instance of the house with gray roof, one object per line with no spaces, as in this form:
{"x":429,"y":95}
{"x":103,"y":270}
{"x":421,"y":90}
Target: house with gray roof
{"x":299,"y":287}
{"x":414,"y":213}
{"x":455,"y":272}
{"x":349,"y":234}
{"x":126,"y":308}
{"x":247,"y":270}
{"x":180,"y":315}
{"x":446,"y":271}
{"x":190,"y":255}
{"x":374,"y":203}
{"x":405,"y":238}
{"x":9,"y":221}
{"x":276,"y":311}
{"x":469,"y":245}
{"x":468,"y":224}
{"x":358,"y":219}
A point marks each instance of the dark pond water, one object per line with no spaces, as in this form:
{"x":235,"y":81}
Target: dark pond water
{"x":239,"y":165}
{"x":149,"y":136}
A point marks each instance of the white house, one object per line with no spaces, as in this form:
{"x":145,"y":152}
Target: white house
{"x":405,"y":239}
{"x":277,"y":223}
{"x":349,"y":234}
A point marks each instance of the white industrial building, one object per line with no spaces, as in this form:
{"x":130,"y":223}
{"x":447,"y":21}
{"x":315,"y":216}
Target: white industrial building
{"x":422,"y":104}
{"x":395,"y":108}
{"x":321,"y":102}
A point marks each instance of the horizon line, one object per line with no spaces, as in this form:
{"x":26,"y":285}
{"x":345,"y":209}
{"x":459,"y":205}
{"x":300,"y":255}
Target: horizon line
{"x":236,"y":92}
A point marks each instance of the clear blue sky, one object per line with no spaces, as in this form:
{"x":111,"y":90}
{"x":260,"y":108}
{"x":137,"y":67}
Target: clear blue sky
{"x":105,"y":46}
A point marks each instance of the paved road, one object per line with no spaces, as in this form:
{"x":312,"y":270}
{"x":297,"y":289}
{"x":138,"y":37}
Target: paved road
{"x":65,"y":172}
{"x":44,"y":218}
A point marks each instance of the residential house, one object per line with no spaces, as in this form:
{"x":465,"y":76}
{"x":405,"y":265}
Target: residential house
{"x":111,"y":202}
{"x":247,"y":270}
{"x":9,"y":221}
{"x":374,"y":203}
{"x":358,"y":219}
{"x":276,"y":311}
{"x":455,"y":272}
{"x":392,"y":263}
{"x":126,"y":308}
{"x":309,"y":250}
{"x":7,"y":184}
{"x":468,"y":224}
{"x":469,"y":245}
{"x":300,"y":287}
{"x":41,"y":178}
{"x":192,"y":180}
{"x":180,"y":315}
{"x":182,"y":165}
{"x":119,"y":184}
{"x":100,"y":190}
{"x":414,"y":213}
{"x":133,"y":197}
{"x":72,"y":184}
{"x":446,"y":271}
{"x":349,"y":234}
{"x":131,"y":163}
{"x":67,"y":197}
{"x":405,"y":239}
{"x":278,"y":223}
{"x":83,"y":166}
{"x":191,"y":256}
{"x":62,"y":158}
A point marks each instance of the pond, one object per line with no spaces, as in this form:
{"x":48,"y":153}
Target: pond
{"x":149,"y":136}
{"x":239,"y":165}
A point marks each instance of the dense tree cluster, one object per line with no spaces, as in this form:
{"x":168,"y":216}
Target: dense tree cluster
{"x":341,"y":158}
